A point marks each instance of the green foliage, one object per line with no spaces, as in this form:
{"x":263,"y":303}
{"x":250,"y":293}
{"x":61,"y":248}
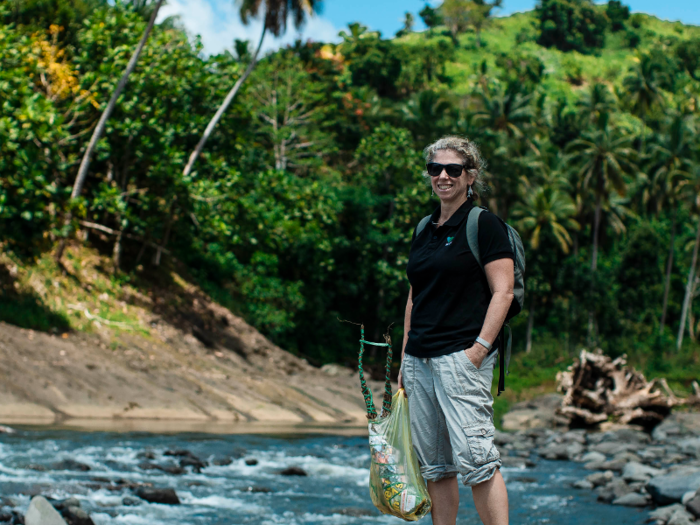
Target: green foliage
{"x":431,"y":16}
{"x":618,"y":14}
{"x":571,"y":25}
{"x":302,"y":207}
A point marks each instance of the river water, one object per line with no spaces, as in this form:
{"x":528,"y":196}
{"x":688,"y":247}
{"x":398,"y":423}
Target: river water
{"x":334,"y":492}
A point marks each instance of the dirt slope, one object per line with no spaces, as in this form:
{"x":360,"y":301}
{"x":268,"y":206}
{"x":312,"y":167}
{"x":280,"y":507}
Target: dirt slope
{"x":186,"y":362}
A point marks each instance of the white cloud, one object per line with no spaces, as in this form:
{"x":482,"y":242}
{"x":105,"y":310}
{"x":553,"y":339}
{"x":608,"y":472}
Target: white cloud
{"x":218,"y":24}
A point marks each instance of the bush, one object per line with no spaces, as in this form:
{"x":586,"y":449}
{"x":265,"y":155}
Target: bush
{"x":571,"y":25}
{"x":618,"y":14}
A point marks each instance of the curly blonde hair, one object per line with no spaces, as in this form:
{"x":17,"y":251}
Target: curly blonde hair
{"x":474,"y":163}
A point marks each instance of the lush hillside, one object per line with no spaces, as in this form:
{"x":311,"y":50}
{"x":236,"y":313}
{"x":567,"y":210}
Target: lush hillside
{"x":301,"y":208}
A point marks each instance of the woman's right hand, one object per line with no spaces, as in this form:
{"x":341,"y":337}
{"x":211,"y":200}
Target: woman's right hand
{"x":401,"y":384}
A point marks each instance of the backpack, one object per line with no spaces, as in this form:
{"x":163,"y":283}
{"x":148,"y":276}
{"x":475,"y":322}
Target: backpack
{"x":516,"y":306}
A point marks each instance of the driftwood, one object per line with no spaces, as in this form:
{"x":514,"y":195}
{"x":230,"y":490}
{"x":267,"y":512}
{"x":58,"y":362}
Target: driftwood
{"x":597,"y":388}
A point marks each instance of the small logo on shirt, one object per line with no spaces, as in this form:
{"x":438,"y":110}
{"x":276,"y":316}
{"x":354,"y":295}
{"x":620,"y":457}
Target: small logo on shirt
{"x":449,"y":241}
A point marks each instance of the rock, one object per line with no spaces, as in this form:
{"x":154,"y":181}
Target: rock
{"x":670,"y":488}
{"x":71,"y":464}
{"x":64,"y":503}
{"x":613,"y":490}
{"x":516,"y":462}
{"x":180,"y":452}
{"x":690,"y":447}
{"x":583,"y":484}
{"x":41,"y":512}
{"x":251,"y":462}
{"x":6,"y":430}
{"x":193,"y":462}
{"x":258,"y":490}
{"x":678,"y":425}
{"x":221,"y":461}
{"x":600,"y":478}
{"x":76,"y":516}
{"x":632,"y":500}
{"x":610,"y":448}
{"x":146,"y":454}
{"x":561,"y":450}
{"x":536,"y":413}
{"x":663,"y":514}
{"x":627,"y":457}
{"x":37,"y":467}
{"x":128,"y":501}
{"x":592,"y":457}
{"x":634,"y":471}
{"x":680,"y":517}
{"x":693,"y":505}
{"x":688,"y":496}
{"x":334,"y":370}
{"x":293,"y":471}
{"x":503,"y":438}
{"x":158,"y":495}
{"x":5,"y":516}
{"x":615,"y":465}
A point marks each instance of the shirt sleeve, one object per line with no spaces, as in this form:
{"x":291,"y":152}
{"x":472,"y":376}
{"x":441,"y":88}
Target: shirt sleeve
{"x":493,"y":239}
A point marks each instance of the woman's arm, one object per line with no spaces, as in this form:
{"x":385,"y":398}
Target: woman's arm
{"x":500,"y":276}
{"x":406,"y":329}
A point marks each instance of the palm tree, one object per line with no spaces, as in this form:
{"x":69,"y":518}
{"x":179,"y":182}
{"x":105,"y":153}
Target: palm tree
{"x":480,"y":15}
{"x":102,"y":123}
{"x":275,"y":17}
{"x":670,"y":161}
{"x":597,"y":102}
{"x":691,"y":187}
{"x":504,"y":110}
{"x":544,"y":209}
{"x":601,"y":159}
{"x":642,"y":90}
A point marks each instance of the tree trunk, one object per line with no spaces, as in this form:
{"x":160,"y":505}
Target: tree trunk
{"x":530,"y":324}
{"x":166,"y":237}
{"x":102,"y":123}
{"x":117,"y":251}
{"x":99,"y":129}
{"x":478,"y":38}
{"x":592,"y":340}
{"x":688,"y":290}
{"x":669,"y":266}
{"x":225,"y":104}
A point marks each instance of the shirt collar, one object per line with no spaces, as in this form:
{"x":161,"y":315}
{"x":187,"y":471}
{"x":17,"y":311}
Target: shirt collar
{"x":457,"y":217}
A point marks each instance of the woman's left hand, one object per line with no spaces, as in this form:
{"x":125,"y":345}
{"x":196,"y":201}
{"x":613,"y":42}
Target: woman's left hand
{"x":476,"y":354}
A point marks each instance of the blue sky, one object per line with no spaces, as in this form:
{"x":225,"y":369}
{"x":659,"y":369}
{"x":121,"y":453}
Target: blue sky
{"x":217,"y":23}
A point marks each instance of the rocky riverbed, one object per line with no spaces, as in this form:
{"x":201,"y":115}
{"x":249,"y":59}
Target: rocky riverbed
{"x":628,"y":467}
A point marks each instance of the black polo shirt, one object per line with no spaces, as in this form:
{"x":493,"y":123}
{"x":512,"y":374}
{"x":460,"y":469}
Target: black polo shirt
{"x":450,"y":290}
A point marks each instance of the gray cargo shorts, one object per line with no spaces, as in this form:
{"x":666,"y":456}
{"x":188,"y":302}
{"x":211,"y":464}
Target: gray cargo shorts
{"x":451,"y":410}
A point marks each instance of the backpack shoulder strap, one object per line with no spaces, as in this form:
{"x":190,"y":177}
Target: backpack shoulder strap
{"x":422,"y":224}
{"x":473,"y":232}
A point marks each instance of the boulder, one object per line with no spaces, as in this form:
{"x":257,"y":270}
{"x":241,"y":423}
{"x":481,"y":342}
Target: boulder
{"x":600,"y":478}
{"x":690,"y":446}
{"x":613,"y":490}
{"x":516,"y":462}
{"x":678,"y":425}
{"x":41,"y":512}
{"x":193,"y":462}
{"x":583,"y":484}
{"x":561,"y":450}
{"x":536,"y":413}
{"x":592,"y":457}
{"x":610,"y":448}
{"x":6,"y":430}
{"x":633,"y":500}
{"x":5,"y":516}
{"x":503,"y":438}
{"x":634,"y":471}
{"x":663,"y":514}
{"x":293,"y":471}
{"x":680,"y":517}
{"x":71,"y":464}
{"x":128,"y":501}
{"x":166,"y":496}
{"x":251,"y":462}
{"x":221,"y":461}
{"x":688,"y":496}
{"x":76,"y":516}
{"x":693,"y":506}
{"x":670,"y":488}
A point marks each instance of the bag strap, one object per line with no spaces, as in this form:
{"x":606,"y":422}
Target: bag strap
{"x":422,"y":224}
{"x":473,"y":232}
{"x":473,"y":242}
{"x":366,"y":391}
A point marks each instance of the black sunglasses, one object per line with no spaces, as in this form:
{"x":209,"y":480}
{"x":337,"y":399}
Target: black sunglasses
{"x":453,"y":170}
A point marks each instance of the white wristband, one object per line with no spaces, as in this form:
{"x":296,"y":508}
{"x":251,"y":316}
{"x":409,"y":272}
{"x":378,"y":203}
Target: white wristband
{"x":484,"y":343}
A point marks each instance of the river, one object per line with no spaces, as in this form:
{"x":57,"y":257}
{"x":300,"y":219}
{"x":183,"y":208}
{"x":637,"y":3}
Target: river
{"x":334,"y":492}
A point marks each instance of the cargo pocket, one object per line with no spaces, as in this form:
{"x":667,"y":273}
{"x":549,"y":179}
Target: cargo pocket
{"x":480,"y":442}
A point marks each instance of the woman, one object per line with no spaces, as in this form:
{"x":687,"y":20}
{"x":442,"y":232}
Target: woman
{"x":454,"y":313}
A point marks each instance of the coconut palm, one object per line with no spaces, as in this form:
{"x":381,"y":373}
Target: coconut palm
{"x":600,"y":159}
{"x":102,"y":123}
{"x":670,"y":161}
{"x":691,"y":189}
{"x":275,"y":15}
{"x":544,"y":209}
{"x":504,"y":110}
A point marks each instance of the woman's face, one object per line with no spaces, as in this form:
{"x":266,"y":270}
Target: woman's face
{"x":447,"y":188}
